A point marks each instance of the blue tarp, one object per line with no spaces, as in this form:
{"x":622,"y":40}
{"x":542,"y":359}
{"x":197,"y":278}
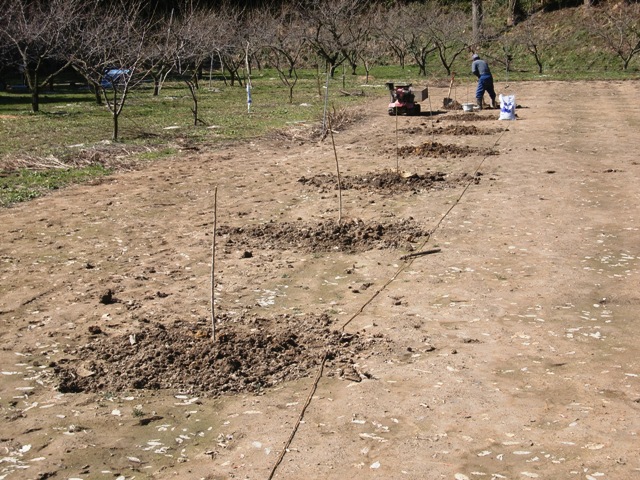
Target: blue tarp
{"x":114,"y":76}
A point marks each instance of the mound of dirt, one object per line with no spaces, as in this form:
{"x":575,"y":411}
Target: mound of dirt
{"x":348,"y":236}
{"x":248,"y":355}
{"x":439,"y":150}
{"x":463,"y":130}
{"x":467,"y":117}
{"x":387,"y":181}
{"x":451,"y":130}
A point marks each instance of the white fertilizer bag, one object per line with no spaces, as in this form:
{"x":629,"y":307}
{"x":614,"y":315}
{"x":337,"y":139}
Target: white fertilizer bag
{"x":507,"y":107}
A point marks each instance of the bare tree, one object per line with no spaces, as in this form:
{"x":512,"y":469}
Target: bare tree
{"x":188,"y":44}
{"x":422,"y":42}
{"x":448,"y":30}
{"x":392,"y":25}
{"x":509,"y":44}
{"x":372,"y":51}
{"x":39,"y":31}
{"x":5,"y":55}
{"x":334,"y":32}
{"x":618,"y":28}
{"x":230,"y":40}
{"x":111,"y":52}
{"x":160,"y":51}
{"x":477,"y":15}
{"x":536,"y":39}
{"x":514,"y":8}
{"x":283,"y":38}
{"x":357,"y":23}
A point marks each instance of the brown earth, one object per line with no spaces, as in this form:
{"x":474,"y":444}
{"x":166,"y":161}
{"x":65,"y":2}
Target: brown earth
{"x":509,"y":353}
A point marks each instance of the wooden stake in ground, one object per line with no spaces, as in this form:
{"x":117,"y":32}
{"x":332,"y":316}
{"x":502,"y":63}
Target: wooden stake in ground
{"x":325,"y":113}
{"x":397,"y":151}
{"x":335,"y":153}
{"x":213,"y":263}
{"x":448,"y":101}
{"x":433,"y":138}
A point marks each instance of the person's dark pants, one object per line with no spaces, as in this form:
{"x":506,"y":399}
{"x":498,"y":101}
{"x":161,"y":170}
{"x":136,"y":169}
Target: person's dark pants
{"x":485,"y":84}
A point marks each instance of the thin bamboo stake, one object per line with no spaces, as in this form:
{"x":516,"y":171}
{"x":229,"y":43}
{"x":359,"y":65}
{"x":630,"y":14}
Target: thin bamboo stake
{"x":213,"y":263}
{"x":433,"y":139}
{"x":318,"y":78}
{"x":326,"y":102}
{"x":335,"y":153}
{"x":397,"y":148}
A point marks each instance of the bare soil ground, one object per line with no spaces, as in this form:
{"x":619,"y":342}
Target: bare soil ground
{"x":510,"y":353}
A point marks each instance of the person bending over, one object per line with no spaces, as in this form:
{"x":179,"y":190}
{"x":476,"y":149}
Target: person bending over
{"x":480,"y":69}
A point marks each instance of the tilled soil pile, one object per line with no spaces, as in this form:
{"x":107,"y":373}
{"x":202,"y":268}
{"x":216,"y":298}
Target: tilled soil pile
{"x":386,"y":182}
{"x":467,"y":117}
{"x":463,"y":130}
{"x":347,"y":236}
{"x":439,"y":150}
{"x":248,"y":355}
{"x":452,"y":130}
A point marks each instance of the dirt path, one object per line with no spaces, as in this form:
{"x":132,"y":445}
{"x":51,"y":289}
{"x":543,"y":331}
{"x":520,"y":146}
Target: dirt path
{"x":510,"y":354}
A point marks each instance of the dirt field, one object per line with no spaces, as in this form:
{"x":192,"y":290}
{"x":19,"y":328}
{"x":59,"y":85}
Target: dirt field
{"x":508,"y":353}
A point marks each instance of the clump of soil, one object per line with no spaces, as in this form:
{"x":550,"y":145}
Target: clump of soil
{"x":452,"y":130}
{"x":451,"y":104}
{"x":463,"y":130}
{"x":467,"y":117}
{"x":435,"y":149}
{"x":387,"y":181}
{"x":248,"y":355}
{"x":347,"y":236}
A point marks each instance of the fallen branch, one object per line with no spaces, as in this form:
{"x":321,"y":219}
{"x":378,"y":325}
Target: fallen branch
{"x":420,"y":254}
{"x":285,"y":449}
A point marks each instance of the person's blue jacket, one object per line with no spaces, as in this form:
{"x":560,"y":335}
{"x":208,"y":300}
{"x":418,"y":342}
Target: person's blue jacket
{"x":479,"y":68}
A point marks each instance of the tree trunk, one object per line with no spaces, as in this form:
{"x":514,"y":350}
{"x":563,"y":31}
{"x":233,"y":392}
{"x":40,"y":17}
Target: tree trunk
{"x":194,"y":99}
{"x":97,"y":93}
{"x":35,"y":99}
{"x":511,"y":14}
{"x":476,"y":14}
{"x":31,"y":80}
{"x":115,"y":127}
{"x":156,"y":85}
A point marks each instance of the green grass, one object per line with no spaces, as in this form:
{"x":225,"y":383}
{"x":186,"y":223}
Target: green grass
{"x":25,"y":184}
{"x":157,"y":154}
{"x":70,"y":126}
{"x":76,"y":119}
